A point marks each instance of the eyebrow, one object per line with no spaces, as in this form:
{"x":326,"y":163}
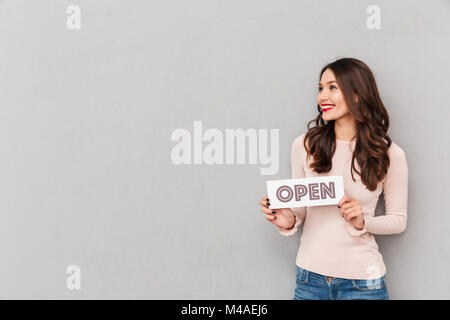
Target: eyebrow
{"x":328,"y":82}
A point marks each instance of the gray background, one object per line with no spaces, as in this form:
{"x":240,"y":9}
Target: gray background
{"x":86,"y":118}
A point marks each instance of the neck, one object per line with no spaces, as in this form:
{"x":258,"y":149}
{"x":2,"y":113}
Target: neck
{"x":345,"y":128}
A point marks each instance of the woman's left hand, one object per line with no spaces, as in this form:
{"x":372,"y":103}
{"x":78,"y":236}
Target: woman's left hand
{"x":352,"y":212}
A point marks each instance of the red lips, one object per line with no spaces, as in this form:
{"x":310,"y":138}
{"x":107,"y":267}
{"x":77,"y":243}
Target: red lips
{"x":327,"y":107}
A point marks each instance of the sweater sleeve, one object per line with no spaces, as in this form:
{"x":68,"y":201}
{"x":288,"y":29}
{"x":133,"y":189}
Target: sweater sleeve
{"x":395,"y":188}
{"x":298,"y":153}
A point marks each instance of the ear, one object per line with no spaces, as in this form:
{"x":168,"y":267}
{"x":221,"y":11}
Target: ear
{"x":355,"y":98}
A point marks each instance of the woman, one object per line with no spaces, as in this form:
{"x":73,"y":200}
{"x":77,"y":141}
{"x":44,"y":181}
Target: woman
{"x":338,"y":257}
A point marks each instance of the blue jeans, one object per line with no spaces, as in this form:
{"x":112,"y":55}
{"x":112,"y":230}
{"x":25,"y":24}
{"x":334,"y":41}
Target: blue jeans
{"x":314,"y":286}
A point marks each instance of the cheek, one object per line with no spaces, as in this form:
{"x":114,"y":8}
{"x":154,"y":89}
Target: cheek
{"x":339,"y":101}
{"x":337,"y":98}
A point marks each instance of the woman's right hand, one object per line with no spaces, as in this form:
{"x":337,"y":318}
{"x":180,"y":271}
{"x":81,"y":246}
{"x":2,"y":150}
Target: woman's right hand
{"x":283,"y":218}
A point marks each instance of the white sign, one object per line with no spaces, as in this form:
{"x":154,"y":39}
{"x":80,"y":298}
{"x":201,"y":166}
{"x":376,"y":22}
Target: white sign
{"x":305,"y":192}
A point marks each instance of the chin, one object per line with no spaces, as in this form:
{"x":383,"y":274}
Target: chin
{"x":326,"y":118}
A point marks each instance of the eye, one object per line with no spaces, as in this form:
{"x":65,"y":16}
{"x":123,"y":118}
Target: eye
{"x":333,"y":87}
{"x":320,"y":89}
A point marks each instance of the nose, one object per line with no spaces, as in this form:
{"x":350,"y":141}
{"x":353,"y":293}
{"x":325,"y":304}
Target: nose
{"x":322,"y":96}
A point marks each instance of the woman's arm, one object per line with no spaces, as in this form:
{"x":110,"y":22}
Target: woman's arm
{"x":395,"y":188}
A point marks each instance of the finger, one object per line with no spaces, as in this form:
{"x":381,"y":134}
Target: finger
{"x":274,"y":221}
{"x":270,"y":217}
{"x":350,"y":213}
{"x":350,"y":209}
{"x":267,"y":210}
{"x":349,"y":204}
{"x":263,"y":203}
{"x":343,"y":200}
{"x":343,"y":210}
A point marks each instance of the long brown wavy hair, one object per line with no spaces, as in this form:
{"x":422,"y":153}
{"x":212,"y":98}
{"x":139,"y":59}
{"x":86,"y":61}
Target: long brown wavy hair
{"x":372,"y":122}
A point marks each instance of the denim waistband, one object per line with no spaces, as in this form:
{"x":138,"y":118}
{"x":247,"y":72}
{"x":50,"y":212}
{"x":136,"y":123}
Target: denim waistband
{"x":305,"y":274}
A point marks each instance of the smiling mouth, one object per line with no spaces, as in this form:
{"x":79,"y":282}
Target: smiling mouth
{"x":327,"y":107}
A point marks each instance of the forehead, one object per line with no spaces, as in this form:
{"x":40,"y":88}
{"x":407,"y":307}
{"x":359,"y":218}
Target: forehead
{"x":328,"y":75}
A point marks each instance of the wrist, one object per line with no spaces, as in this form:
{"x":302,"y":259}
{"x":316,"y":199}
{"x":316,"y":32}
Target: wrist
{"x":361,"y":226}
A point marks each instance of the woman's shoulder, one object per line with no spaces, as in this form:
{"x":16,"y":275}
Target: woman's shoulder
{"x":397,"y":159}
{"x":298,"y":142}
{"x":395,"y":151}
{"x":300,"y":138}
